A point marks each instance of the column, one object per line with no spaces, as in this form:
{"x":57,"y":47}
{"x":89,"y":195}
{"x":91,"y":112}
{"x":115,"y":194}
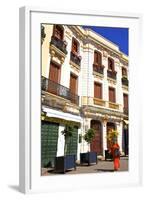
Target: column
{"x":61,"y":141}
{"x":104,"y":128}
{"x":119,"y":129}
{"x":86,"y":126}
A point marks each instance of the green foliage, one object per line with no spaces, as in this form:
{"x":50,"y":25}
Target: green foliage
{"x":89,"y":135}
{"x":112,"y":135}
{"x":43,"y":34}
{"x":68,"y":131}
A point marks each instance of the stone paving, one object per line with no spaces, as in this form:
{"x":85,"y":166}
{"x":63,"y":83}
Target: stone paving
{"x":101,"y":167}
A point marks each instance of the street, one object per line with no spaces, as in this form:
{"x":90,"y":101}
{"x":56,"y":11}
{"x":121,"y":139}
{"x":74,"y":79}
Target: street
{"x":101,"y":167}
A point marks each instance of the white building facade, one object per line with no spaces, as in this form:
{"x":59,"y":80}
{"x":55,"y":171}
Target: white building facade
{"x":85,"y":84}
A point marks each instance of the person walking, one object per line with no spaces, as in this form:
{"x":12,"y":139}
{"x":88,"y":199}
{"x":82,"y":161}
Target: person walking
{"x":115,"y":151}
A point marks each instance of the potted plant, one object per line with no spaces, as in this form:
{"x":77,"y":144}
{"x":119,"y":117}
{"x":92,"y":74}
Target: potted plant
{"x":63,"y":163}
{"x":112,"y":136}
{"x":89,"y":157}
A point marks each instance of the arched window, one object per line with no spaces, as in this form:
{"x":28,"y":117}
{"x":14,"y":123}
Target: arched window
{"x":111,"y":64}
{"x":97,"y":58}
{"x":75,"y":46}
{"x":58,"y":32}
{"x":124,"y":71}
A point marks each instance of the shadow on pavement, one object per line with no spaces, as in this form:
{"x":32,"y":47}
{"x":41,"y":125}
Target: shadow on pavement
{"x":104,"y":170}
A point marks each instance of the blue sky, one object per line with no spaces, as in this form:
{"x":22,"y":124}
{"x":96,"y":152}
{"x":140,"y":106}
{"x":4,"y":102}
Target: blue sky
{"x":119,"y":36}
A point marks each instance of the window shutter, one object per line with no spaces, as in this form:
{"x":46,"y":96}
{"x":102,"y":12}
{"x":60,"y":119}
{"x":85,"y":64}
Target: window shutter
{"x":125,"y":101}
{"x":97,"y":58}
{"x":54,"y":74}
{"x":98,"y":90}
{"x":73,"y":84}
{"x":110,"y":64}
{"x":112,"y":97}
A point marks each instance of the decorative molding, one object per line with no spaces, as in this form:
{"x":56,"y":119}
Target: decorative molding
{"x":111,"y":81}
{"x":92,"y":110}
{"x":98,"y":75}
{"x":74,"y":66}
{"x":124,"y":87}
{"x":55,"y":52}
{"x":56,"y":102}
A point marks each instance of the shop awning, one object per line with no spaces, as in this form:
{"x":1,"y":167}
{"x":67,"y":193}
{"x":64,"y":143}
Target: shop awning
{"x":55,"y":115}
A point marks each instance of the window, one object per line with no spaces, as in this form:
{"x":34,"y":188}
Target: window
{"x":54,"y":74}
{"x":97,"y":58}
{"x":58,"y":32}
{"x":75,"y":46}
{"x":73,"y":83}
{"x":125,"y":99}
{"x":112,"y":95}
{"x":124,"y":71}
{"x":98,"y":90}
{"x":110,"y":64}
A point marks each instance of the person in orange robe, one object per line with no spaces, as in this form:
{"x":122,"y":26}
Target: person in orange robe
{"x":116,"y":158}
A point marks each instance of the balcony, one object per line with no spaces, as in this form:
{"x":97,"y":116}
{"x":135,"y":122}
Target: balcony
{"x":113,"y":105}
{"x":75,"y":58}
{"x":59,"y":90}
{"x":99,"y":102}
{"x":60,"y":44}
{"x":98,"y":68}
{"x":112,"y":74}
{"x":124,"y":81}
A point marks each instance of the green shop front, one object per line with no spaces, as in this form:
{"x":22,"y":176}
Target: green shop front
{"x":53,"y":142}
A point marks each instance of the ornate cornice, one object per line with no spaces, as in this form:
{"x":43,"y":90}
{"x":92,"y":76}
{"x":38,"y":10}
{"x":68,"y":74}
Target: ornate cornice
{"x":87,"y":38}
{"x":91,"y":110}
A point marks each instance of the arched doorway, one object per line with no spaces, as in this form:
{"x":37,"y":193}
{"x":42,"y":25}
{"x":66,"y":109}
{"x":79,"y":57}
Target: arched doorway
{"x":96,"y":144}
{"x":110,"y":125}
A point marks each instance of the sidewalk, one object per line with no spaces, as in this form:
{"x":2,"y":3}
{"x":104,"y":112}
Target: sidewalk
{"x":101,"y":167}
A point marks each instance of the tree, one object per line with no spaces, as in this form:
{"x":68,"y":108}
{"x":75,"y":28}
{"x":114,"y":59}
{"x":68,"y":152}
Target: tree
{"x":112,"y":136}
{"x":89,"y":135}
{"x":67,"y":132}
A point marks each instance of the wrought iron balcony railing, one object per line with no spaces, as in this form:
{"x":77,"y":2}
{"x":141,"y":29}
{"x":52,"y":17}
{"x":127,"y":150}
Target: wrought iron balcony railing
{"x":60,"y":44}
{"x":98,"y":69}
{"x":112,"y":74}
{"x":60,"y":90}
{"x":125,"y":81}
{"x":75,"y":58}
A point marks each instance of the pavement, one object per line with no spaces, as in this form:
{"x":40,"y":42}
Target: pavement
{"x":101,"y":167}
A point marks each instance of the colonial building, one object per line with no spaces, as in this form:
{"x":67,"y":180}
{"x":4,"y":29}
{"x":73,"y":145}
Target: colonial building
{"x":84,"y":83}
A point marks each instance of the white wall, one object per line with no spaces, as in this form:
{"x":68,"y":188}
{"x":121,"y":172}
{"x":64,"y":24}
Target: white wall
{"x":9,"y":85}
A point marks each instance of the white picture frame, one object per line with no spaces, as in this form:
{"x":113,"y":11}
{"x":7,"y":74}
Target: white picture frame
{"x":29,"y":160}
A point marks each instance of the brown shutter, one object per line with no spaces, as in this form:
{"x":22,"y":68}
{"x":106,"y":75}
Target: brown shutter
{"x":98,"y":90}
{"x":73,"y":84}
{"x":110,"y":64}
{"x":112,"y":97}
{"x":97,"y":58}
{"x":125,"y":101}
{"x":54,"y":74}
{"x":58,"y":32}
{"x":74,"y":46}
{"x":124,"y":72}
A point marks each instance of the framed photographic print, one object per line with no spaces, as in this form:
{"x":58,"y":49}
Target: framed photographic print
{"x":79,"y":108}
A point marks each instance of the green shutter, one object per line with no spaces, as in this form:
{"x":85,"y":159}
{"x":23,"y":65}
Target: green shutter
{"x":72,"y":143}
{"x":49,"y":140}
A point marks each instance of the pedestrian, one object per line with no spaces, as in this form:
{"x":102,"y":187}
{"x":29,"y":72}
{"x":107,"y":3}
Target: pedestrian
{"x":115,"y":151}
